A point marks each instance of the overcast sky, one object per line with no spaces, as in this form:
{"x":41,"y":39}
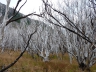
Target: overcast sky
{"x":30,"y":6}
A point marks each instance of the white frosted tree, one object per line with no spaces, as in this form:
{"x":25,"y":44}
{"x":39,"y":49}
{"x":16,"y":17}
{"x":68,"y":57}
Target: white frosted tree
{"x":45,"y":41}
{"x":77,"y":18}
{"x":10,"y":34}
{"x":3,"y":24}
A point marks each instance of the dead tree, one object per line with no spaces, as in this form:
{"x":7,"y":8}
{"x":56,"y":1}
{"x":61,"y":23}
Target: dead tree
{"x":6,"y":22}
{"x":77,"y":20}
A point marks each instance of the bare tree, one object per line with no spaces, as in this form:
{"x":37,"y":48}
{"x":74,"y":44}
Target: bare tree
{"x":77,"y":20}
{"x":6,"y":22}
{"x":45,"y":41}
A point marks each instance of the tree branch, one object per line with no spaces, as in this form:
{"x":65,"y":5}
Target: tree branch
{"x":82,"y":35}
{"x":19,"y":18}
{"x":20,"y":54}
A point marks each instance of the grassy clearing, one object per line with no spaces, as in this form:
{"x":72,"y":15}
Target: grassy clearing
{"x":28,"y":64}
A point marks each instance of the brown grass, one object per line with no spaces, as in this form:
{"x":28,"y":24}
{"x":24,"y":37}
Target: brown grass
{"x":28,"y":64}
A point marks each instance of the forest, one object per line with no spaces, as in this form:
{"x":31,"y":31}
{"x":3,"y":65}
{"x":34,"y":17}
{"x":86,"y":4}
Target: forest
{"x":62,"y":39}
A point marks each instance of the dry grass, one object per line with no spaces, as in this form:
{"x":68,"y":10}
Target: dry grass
{"x":28,"y":64}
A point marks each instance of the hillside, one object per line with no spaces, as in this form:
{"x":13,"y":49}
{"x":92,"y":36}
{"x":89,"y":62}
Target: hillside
{"x":10,"y":13}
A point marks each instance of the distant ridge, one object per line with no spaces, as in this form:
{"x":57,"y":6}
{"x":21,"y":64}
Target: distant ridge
{"x":10,"y":13}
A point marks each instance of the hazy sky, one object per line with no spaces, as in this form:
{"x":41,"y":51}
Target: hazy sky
{"x":30,"y":6}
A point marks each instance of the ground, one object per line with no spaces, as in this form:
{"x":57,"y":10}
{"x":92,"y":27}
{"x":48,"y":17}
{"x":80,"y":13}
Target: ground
{"x":28,"y":64}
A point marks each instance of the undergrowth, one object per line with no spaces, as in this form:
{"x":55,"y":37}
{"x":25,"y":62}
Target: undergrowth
{"x":28,"y":64}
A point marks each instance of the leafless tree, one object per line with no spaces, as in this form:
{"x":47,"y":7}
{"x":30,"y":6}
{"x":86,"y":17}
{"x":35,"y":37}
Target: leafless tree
{"x":77,"y":18}
{"x":46,"y":40}
{"x":6,"y":22}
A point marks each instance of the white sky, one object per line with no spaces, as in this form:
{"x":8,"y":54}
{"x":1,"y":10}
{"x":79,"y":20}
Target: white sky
{"x":29,"y":7}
